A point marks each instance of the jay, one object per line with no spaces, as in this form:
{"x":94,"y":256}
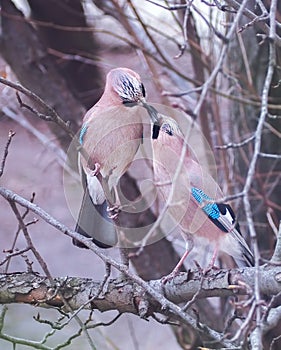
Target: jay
{"x":111,"y":134}
{"x":194,"y":197}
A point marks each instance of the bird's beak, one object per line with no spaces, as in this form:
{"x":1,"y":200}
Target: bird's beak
{"x":152,"y":112}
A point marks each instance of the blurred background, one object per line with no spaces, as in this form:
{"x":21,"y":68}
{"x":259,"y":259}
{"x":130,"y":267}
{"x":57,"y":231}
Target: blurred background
{"x":62,"y":50}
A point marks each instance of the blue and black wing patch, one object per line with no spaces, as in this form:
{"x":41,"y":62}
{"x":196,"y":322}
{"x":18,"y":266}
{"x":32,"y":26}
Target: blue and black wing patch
{"x":211,"y":209}
{"x":223,"y":217}
{"x":216,"y":210}
{"x":83,"y":133}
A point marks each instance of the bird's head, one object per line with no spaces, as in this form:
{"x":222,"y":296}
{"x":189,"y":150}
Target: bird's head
{"x":127,"y":85}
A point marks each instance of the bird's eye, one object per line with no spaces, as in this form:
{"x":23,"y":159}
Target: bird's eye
{"x":167,"y":129}
{"x":143,"y":89}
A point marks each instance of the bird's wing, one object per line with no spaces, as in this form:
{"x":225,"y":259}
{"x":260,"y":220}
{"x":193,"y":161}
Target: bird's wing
{"x":91,"y":182}
{"x":95,"y":190}
{"x":223,"y":217}
{"x":93,"y":221}
{"x":228,"y":221}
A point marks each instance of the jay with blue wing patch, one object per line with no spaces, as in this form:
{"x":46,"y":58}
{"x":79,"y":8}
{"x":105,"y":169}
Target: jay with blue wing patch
{"x":194,"y":197}
{"x":111,"y":135}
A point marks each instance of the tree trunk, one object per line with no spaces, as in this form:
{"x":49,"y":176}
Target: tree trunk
{"x":27,"y":56}
{"x":83,"y":79}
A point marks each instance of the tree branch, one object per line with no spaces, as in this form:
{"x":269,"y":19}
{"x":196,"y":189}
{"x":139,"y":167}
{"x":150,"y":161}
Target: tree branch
{"x":124,"y":296}
{"x":6,"y":150}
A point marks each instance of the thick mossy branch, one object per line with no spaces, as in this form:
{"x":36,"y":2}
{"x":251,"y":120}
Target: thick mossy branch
{"x":124,"y":296}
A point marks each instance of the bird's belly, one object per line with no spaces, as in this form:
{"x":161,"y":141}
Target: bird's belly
{"x":117,"y":163}
{"x":115,"y":152}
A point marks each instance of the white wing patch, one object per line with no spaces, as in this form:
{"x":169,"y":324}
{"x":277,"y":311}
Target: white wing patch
{"x":227,"y":216}
{"x":95,"y":190}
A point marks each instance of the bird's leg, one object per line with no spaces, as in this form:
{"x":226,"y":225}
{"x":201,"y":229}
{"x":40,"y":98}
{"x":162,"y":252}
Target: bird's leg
{"x":176,"y":270}
{"x":114,"y":209}
{"x":123,"y":250}
{"x":212,"y":262}
{"x":124,"y":255}
{"x":214,"y":257}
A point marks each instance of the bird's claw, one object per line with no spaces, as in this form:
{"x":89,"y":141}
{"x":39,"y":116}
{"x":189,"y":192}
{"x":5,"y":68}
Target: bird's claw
{"x":170,"y":277}
{"x":208,"y":269}
{"x":113,"y":212}
{"x":96,"y":170}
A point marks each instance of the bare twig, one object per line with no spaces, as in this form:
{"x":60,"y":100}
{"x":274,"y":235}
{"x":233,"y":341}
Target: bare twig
{"x":263,"y":26}
{"x":29,"y":241}
{"x":268,"y":155}
{"x":12,"y":254}
{"x":221,"y":58}
{"x":236,"y":145}
{"x":44,"y":267}
{"x":246,"y":322}
{"x":175,"y":7}
{"x":61,"y":156}
{"x":256,"y":337}
{"x":52,"y":114}
{"x":17,"y":234}
{"x":6,"y":151}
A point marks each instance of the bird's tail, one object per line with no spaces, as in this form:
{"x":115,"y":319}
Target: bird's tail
{"x":245,"y":258}
{"x":93,"y":223}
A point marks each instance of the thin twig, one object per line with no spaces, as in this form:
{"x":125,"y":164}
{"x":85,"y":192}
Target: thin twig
{"x":46,"y":270}
{"x":17,"y":233}
{"x":268,"y":155}
{"x":29,"y":241}
{"x":6,"y":151}
{"x":236,"y":145}
{"x":51,"y":116}
{"x":256,"y":337}
{"x":13,"y":254}
{"x":61,"y":156}
{"x":251,"y":15}
{"x":221,"y":58}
